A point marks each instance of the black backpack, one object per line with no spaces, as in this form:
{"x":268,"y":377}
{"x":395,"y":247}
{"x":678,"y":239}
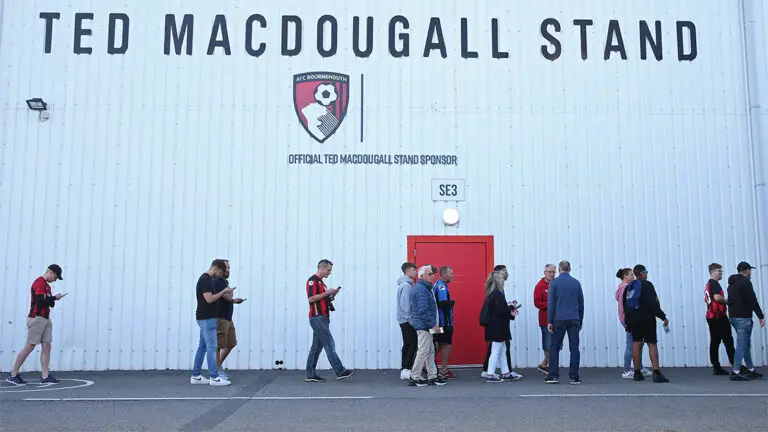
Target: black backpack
{"x":485,"y":314}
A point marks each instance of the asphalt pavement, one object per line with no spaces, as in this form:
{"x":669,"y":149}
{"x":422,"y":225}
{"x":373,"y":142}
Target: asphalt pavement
{"x":695,"y":400}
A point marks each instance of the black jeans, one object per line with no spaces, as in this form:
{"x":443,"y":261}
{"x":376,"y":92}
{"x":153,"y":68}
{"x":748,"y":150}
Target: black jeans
{"x":410,"y":345}
{"x":720,"y":331}
{"x":488,"y":355}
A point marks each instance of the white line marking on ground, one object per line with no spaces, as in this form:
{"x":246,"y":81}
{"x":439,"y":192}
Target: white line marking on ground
{"x":202,"y":398}
{"x":26,"y":389}
{"x":597,"y":395}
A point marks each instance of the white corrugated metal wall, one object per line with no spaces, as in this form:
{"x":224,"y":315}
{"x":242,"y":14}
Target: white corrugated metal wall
{"x":152,"y":165}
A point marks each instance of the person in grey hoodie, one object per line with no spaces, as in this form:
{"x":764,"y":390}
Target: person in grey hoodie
{"x":410,"y":343}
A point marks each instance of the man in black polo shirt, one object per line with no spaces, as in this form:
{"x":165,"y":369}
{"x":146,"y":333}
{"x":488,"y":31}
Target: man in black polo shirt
{"x":225,"y":328}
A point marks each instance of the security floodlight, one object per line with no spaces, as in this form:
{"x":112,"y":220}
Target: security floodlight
{"x":41,"y":106}
{"x":37,"y":104}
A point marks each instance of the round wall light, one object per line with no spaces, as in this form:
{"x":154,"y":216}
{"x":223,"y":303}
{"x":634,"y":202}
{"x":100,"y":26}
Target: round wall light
{"x":450,"y":216}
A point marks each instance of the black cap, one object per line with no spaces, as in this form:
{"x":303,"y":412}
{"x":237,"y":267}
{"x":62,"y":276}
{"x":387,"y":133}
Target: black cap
{"x":56,"y":269}
{"x":743,"y":266}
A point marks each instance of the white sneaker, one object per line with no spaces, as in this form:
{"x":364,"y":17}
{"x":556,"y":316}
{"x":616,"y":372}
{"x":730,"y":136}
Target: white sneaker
{"x":405,"y":374}
{"x":224,"y":375}
{"x":219,"y":382}
{"x":628,"y":374}
{"x":198,"y":380}
{"x":646,"y":372}
{"x":484,"y":374}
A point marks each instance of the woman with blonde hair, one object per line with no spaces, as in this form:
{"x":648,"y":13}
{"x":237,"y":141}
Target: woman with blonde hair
{"x":496,"y":315}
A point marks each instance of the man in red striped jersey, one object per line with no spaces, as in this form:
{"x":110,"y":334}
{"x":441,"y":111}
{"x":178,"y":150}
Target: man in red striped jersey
{"x":320,"y":307}
{"x":717,"y":319}
{"x":39,"y":327}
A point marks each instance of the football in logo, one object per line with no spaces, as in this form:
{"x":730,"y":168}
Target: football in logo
{"x":321,"y":100}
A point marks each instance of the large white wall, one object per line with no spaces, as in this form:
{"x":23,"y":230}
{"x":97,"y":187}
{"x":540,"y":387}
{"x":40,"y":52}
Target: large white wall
{"x":151,"y":165}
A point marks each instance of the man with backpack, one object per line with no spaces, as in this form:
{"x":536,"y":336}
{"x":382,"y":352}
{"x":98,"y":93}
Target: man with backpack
{"x":641,"y":308}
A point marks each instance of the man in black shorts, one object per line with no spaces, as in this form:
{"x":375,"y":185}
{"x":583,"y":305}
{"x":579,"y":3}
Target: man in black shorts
{"x":641,"y":308}
{"x":444,"y":340}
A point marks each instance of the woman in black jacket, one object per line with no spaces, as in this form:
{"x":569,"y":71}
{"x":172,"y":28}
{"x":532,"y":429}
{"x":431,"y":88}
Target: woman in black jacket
{"x":499,"y":313}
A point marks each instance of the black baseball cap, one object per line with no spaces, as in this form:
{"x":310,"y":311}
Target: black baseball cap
{"x":743,"y":266}
{"x":56,"y":269}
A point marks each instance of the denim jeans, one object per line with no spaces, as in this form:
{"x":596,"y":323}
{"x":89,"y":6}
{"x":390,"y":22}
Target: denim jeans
{"x":322,"y":339}
{"x":206,"y":348}
{"x":743,"y":327}
{"x":628,"y":354}
{"x":572,"y":328}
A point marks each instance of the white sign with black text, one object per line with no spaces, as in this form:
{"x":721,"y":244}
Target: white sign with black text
{"x":448,"y":190}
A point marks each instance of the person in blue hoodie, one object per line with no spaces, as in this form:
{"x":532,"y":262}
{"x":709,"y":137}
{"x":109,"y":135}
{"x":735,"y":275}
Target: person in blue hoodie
{"x":565,"y":314}
{"x":424,"y":319}
{"x":404,"y":284}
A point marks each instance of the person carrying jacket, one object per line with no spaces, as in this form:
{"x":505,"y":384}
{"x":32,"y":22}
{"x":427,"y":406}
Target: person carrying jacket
{"x":404,"y":284}
{"x":497,"y":313}
{"x":424,"y":319}
{"x":742,"y":302}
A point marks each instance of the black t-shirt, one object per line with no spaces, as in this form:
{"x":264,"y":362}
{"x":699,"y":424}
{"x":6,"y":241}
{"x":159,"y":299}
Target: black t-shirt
{"x":206,"y":310}
{"x":226,"y":308}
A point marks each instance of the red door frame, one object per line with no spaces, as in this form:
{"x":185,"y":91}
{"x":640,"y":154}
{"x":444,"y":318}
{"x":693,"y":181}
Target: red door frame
{"x":488,"y":240}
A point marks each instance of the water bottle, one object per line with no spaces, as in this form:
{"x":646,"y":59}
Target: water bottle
{"x":666,"y":328}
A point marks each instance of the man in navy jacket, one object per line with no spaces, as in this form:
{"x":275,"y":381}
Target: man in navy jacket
{"x":424,"y":319}
{"x":565,"y":314}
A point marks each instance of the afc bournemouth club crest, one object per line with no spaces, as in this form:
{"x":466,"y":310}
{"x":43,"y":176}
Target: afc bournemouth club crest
{"x":321,"y":100}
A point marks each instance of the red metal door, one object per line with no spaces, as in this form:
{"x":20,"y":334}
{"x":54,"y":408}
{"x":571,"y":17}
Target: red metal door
{"x":471,"y":258}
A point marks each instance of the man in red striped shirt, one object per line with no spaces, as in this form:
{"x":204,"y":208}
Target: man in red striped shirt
{"x":717,"y":319}
{"x":320,"y":307}
{"x":39,"y":327}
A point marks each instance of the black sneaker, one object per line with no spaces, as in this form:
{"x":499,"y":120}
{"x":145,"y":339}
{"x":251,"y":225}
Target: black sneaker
{"x":575,"y":381}
{"x":639,"y":376}
{"x":551,"y":380}
{"x":422,"y":383}
{"x":347,"y":373}
{"x":314,"y":379}
{"x":754,"y":374}
{"x":717,"y":370}
{"x":412,"y":382}
{"x":16,"y":380}
{"x":738,"y":377}
{"x":659,"y":377}
{"x":49,"y":380}
{"x":438,"y":381}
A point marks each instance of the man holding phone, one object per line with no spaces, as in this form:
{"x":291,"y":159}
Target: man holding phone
{"x":39,"y":326}
{"x":320,"y":307}
{"x":225,"y":328}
